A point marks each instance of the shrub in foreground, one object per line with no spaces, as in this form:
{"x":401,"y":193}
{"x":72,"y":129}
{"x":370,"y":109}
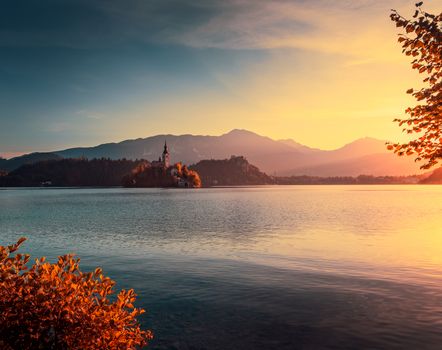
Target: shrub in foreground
{"x":56,"y":306}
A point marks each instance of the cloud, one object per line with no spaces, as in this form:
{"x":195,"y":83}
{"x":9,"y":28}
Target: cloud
{"x":89,"y":24}
{"x":90,"y":114}
{"x":351,"y":28}
{"x":286,"y":66}
{"x":320,"y":25}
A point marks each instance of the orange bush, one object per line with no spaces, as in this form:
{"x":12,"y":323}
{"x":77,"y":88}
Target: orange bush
{"x":56,"y":306}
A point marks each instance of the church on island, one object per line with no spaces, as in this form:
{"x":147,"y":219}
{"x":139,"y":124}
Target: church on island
{"x":164,"y":160}
{"x":160,"y":173}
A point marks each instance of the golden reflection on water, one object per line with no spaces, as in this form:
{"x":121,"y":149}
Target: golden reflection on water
{"x":357,"y":266}
{"x":377,"y":230}
{"x":404,"y":232}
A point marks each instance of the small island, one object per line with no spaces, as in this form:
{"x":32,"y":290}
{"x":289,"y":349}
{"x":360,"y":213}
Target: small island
{"x":160,"y":173}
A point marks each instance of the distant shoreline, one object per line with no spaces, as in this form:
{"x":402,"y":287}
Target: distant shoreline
{"x":209,"y":187}
{"x":232,"y":172}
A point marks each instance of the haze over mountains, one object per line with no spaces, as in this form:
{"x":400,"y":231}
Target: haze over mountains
{"x":366,"y":156}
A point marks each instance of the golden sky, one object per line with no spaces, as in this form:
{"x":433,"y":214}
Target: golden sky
{"x":321,"y":72}
{"x":325,"y":87}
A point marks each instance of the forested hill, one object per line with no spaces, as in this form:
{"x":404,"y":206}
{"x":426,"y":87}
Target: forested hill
{"x":31,"y":158}
{"x":70,"y":172}
{"x":235,"y":171}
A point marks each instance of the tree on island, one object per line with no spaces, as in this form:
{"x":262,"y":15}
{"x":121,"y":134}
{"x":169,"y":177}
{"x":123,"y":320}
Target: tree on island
{"x":177,"y":175}
{"x":56,"y":306}
{"x":190,"y":175}
{"x":423,"y":41}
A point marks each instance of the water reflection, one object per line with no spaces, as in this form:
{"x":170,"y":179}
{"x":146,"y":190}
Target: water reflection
{"x":277,"y":267}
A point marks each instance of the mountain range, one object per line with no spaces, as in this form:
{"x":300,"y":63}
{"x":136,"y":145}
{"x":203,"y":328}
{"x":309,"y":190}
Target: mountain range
{"x":366,"y":156}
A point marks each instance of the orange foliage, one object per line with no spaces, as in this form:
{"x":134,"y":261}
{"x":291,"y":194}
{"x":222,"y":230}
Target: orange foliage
{"x":194,"y":178}
{"x":179,"y":168}
{"x":422,"y":40}
{"x":56,"y":306}
{"x":140,"y":167}
{"x":190,"y":175}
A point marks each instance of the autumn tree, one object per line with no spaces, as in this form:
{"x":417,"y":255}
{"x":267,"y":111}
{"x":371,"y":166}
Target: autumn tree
{"x":56,"y":306}
{"x":179,"y":168}
{"x":422,"y":40}
{"x":193,"y":177}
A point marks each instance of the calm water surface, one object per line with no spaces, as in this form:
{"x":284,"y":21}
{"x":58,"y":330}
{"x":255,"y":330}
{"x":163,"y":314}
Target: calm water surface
{"x":295,"y":267}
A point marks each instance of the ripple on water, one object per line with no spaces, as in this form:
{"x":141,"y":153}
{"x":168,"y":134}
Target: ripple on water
{"x":264,"y":268}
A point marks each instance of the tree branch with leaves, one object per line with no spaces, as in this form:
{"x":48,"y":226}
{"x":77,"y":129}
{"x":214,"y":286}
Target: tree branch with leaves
{"x":422,"y":40}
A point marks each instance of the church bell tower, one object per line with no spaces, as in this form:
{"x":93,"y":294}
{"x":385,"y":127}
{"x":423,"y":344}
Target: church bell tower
{"x":166,"y":156}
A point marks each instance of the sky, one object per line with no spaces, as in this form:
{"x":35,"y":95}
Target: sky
{"x":85,"y":72}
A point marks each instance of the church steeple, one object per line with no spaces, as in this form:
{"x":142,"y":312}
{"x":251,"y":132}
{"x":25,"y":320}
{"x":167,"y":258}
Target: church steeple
{"x":166,"y":155}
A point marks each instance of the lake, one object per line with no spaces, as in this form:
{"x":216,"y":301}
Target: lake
{"x":296,"y":267}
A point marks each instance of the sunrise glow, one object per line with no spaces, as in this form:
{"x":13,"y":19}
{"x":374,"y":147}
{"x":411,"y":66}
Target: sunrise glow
{"x":319,"y":72}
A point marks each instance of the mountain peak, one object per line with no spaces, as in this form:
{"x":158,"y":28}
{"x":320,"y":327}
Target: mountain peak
{"x":365,"y":140}
{"x":240,"y":132}
{"x":369,"y":144}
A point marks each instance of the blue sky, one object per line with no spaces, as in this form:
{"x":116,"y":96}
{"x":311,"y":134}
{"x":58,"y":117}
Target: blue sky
{"x":86,"y":72}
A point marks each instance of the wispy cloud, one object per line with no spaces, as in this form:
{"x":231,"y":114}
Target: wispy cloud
{"x":355,"y":28}
{"x":226,"y":24}
{"x":169,"y":65}
{"x":352,"y":28}
{"x":90,"y":114}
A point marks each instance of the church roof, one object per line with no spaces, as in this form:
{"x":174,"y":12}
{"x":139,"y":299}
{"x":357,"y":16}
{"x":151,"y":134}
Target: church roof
{"x":166,"y":149}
